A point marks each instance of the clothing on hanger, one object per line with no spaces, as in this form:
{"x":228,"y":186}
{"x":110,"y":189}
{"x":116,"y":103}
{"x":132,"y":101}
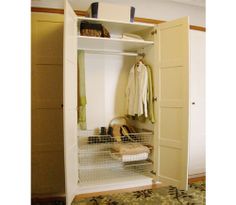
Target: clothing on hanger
{"x":139,"y":92}
{"x":136,"y":91}
{"x":150,"y":104}
{"x":143,"y":86}
{"x":82,"y":91}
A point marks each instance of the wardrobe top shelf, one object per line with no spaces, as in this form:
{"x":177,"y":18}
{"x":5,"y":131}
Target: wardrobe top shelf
{"x":111,"y":44}
{"x":118,"y":27}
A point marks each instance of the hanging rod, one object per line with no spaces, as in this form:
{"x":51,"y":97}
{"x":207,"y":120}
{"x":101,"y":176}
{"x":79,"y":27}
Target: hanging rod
{"x":112,"y":52}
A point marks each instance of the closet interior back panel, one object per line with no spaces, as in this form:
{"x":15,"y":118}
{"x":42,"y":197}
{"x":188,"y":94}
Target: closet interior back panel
{"x":106,"y":80}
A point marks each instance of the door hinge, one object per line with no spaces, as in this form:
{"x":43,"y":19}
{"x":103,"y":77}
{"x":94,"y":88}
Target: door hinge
{"x":154,"y":98}
{"x":154,"y":32}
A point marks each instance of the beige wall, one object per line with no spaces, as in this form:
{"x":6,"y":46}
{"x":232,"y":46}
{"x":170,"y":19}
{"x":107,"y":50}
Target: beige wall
{"x":154,"y":9}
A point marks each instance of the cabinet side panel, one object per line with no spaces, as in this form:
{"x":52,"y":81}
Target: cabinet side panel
{"x":70,"y":101}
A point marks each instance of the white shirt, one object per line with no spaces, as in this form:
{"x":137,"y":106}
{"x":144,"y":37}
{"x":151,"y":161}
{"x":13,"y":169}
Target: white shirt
{"x":136,"y":91}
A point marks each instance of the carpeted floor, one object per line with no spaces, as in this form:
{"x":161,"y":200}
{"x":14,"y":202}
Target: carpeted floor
{"x":163,"y":196}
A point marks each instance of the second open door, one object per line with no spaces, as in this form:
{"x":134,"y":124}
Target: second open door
{"x":173,"y":102}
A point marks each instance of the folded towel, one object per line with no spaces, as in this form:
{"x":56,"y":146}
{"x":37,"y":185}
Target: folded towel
{"x":131,"y":36}
{"x":129,"y":158}
{"x":134,"y":157}
{"x":130,"y":148}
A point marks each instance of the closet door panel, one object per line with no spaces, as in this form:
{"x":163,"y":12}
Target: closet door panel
{"x":47,"y":151}
{"x":54,"y":167}
{"x":46,"y":96}
{"x":47,"y":86}
{"x":70,"y":86}
{"x":47,"y":126}
{"x":70,"y":101}
{"x":173,"y":104}
{"x":46,"y":35}
{"x":169,"y":167}
{"x":173,"y":90}
{"x":171,"y":119}
{"x":70,"y":117}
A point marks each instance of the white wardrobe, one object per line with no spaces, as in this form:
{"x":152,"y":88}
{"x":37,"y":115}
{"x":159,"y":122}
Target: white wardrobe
{"x":166,"y":49}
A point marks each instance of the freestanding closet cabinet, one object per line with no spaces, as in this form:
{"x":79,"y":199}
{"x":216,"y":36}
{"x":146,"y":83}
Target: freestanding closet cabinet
{"x":166,"y":49}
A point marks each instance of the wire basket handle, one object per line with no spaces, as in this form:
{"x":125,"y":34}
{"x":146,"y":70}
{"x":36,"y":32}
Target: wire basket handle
{"x":121,"y":120}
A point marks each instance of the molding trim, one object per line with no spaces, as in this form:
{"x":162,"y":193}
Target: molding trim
{"x":47,"y":10}
{"x":196,"y":179}
{"x":196,"y":175}
{"x":84,"y":13}
{"x":198,"y":28}
{"x":146,"y":20}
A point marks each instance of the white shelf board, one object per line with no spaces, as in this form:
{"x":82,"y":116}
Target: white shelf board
{"x":114,"y":183}
{"x":110,"y":44}
{"x":118,"y":27}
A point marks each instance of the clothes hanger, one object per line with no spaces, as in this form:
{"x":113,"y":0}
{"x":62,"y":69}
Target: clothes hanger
{"x":141,"y":59}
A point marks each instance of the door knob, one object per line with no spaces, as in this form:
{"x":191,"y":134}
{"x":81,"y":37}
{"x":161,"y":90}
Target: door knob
{"x":193,"y":103}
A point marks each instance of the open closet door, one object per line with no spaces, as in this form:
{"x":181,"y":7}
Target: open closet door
{"x":70,"y":102}
{"x":173,"y":103}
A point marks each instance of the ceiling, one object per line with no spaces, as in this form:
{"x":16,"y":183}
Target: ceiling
{"x":200,"y":3}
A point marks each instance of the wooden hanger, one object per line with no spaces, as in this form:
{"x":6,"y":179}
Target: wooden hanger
{"x":140,"y":60}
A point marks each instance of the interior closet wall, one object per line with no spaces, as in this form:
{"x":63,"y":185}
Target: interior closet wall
{"x":106,"y":80}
